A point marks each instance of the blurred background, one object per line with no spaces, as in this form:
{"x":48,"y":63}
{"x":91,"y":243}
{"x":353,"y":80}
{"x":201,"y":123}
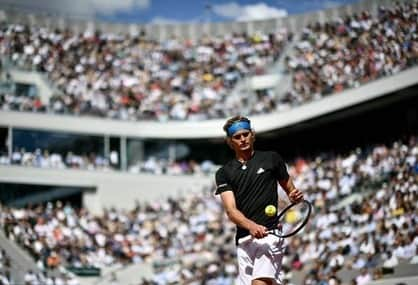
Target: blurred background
{"x":111,"y":116}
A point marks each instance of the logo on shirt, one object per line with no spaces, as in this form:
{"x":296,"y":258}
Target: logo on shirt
{"x":260,"y":170}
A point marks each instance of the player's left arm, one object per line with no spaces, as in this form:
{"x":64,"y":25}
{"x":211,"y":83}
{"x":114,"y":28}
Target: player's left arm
{"x":294,"y":194}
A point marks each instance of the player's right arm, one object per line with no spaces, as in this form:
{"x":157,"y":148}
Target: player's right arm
{"x":238,"y":218}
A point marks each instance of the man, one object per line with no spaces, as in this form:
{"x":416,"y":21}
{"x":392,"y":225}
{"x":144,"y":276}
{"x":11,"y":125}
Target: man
{"x":247,"y":184}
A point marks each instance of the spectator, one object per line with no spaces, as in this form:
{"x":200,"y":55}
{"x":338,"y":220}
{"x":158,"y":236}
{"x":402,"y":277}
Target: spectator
{"x":364,"y":277}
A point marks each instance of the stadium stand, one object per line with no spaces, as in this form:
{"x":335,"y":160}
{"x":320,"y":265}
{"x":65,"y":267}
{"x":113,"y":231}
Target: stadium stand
{"x":134,"y":78}
{"x":179,"y":236}
{"x":129,"y":227}
{"x":350,"y":51}
{"x":44,"y":159}
{"x":137,"y":78}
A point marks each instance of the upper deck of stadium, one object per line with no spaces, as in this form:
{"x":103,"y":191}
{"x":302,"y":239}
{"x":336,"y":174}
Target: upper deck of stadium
{"x":294,"y":23}
{"x":307,"y":100}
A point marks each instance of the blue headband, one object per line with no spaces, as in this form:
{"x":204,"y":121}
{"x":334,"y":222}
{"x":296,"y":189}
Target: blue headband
{"x":240,"y":125}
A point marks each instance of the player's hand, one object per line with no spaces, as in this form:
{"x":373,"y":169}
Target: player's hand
{"x":296,"y":196}
{"x":258,"y":231}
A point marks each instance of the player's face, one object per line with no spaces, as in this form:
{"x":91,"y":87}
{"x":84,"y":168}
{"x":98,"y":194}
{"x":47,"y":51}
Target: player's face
{"x":242,"y":140}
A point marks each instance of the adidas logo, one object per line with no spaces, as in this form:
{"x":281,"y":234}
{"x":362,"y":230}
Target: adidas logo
{"x":260,"y":170}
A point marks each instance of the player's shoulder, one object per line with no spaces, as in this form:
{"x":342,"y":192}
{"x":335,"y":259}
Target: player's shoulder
{"x":267,"y":153}
{"x":226,"y":166}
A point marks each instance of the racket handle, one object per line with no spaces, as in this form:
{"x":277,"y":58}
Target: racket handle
{"x":249,"y":237}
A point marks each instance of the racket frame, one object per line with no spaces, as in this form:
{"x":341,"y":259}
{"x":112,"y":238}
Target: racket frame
{"x":276,"y":230}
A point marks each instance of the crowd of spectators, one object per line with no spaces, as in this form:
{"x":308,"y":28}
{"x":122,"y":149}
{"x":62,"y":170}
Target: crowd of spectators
{"x":190,"y":240}
{"x":379,"y":226}
{"x":45,"y":159}
{"x":353,"y":50}
{"x":163,"y":166}
{"x":43,"y":278}
{"x":5,"y":268}
{"x":30,"y":277}
{"x":133,"y":77}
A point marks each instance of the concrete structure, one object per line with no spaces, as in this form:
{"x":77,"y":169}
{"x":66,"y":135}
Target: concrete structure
{"x":111,"y":188}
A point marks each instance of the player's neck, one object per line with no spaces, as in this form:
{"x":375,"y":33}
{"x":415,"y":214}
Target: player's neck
{"x":244,"y":155}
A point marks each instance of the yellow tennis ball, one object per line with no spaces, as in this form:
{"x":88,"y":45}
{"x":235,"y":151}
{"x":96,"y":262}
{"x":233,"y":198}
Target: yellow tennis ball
{"x":292,"y":217}
{"x":270,"y":210}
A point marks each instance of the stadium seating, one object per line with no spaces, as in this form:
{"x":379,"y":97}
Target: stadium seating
{"x":364,"y":225}
{"x":137,"y":78}
{"x":45,"y":159}
{"x":340,"y":238}
{"x":350,"y":51}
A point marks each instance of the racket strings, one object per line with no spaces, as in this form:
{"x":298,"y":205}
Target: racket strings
{"x":292,"y":219}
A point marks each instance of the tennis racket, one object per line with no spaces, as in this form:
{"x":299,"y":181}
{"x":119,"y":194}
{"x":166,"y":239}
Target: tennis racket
{"x":289,"y":221}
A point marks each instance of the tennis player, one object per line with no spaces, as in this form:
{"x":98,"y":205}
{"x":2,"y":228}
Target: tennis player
{"x":246,"y":185}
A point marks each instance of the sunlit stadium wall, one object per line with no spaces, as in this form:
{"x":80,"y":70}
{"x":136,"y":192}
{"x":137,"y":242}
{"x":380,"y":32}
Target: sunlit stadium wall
{"x":109,"y":189}
{"x":78,"y":23}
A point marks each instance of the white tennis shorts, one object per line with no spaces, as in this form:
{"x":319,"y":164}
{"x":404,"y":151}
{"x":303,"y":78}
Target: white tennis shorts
{"x":260,"y":258}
